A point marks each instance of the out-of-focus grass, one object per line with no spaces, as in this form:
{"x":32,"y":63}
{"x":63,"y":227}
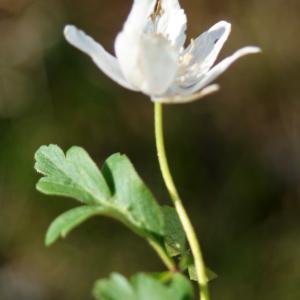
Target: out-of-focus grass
{"x":235,"y":155}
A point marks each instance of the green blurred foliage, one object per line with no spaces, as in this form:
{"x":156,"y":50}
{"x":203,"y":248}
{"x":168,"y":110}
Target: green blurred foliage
{"x":241,"y":145}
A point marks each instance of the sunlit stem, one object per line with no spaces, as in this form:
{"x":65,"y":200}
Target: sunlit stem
{"x":186,"y":223}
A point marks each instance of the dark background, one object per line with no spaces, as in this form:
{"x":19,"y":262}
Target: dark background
{"x":235,"y":155}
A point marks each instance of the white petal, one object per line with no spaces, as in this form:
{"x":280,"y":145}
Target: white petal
{"x":179,"y":99}
{"x":105,"y":61}
{"x":208,"y":45}
{"x":220,"y":68}
{"x":172,"y":22}
{"x":138,"y":16}
{"x":202,"y":53}
{"x":158,"y":64}
{"x":127,"y":48}
{"x":127,"y":43}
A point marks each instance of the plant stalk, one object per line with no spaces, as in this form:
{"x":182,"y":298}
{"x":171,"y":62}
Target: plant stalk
{"x":183,"y":216}
{"x":168,"y":261}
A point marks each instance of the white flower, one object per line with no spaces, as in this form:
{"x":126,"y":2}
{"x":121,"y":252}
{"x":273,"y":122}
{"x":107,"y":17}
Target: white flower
{"x":150,"y":53}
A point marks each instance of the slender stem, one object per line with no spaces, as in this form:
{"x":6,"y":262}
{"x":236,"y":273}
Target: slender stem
{"x":186,"y":223}
{"x":169,"y":263}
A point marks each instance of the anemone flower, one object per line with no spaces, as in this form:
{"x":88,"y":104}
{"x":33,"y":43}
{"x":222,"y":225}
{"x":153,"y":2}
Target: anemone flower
{"x":151,"y":57}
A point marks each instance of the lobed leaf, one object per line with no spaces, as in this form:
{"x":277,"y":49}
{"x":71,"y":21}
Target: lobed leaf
{"x":143,"y":287}
{"x":72,"y":175}
{"x":187,"y":264}
{"x":210,"y":274}
{"x":132,"y":195}
{"x":175,"y":243}
{"x":175,"y":239}
{"x":117,"y":192}
{"x":69,"y":220}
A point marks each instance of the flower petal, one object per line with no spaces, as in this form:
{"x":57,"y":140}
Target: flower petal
{"x":179,"y":99}
{"x":127,"y":51}
{"x":148,"y":60}
{"x":158,"y":64}
{"x":138,"y":16}
{"x":206,"y":48}
{"x":105,"y":61}
{"x":220,"y":68}
{"x":172,"y":22}
{"x":127,"y":43}
{"x":202,"y":53}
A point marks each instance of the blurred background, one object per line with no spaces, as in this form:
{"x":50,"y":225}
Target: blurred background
{"x":235,"y":155}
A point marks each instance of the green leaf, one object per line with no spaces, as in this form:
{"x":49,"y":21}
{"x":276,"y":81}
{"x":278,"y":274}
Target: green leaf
{"x":132,"y":195}
{"x":115,"y":288}
{"x":210,"y":274}
{"x":175,"y":243}
{"x":143,"y":287}
{"x":66,"y":222}
{"x":74,"y":175}
{"x":181,"y":288}
{"x":175,"y":240}
{"x":118,"y":192}
{"x":187,"y":263}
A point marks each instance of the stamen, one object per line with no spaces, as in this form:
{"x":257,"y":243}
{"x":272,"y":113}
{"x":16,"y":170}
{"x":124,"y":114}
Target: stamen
{"x":158,"y":7}
{"x":157,"y":10}
{"x":192,"y":45}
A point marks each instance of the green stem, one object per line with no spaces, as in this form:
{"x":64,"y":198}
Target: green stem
{"x":169,"y":263}
{"x":186,"y":223}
